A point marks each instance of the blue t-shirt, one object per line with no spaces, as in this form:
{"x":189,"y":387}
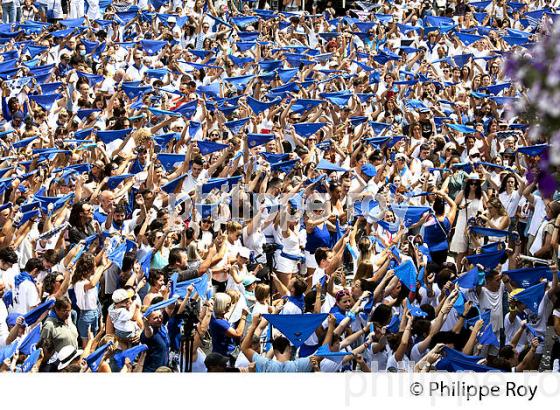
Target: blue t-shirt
{"x":265,"y":365}
{"x":221,"y":343}
{"x":158,"y":348}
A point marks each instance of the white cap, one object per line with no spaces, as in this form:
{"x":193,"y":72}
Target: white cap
{"x":244,"y":252}
{"x":121,"y":294}
{"x":172,"y":19}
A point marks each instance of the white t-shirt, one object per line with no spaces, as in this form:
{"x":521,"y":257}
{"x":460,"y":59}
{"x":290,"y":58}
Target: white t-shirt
{"x":4,"y":331}
{"x":25,"y":297}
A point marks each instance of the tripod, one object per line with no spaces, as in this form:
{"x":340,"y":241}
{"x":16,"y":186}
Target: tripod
{"x":269,"y":250}
{"x":186,"y":349}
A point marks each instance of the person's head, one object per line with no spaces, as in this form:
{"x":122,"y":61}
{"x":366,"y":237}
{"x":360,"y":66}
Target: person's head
{"x":234,"y":231}
{"x":106,"y":200}
{"x":343,"y":300}
{"x":8,"y":257}
{"x":52,"y":282}
{"x":297,"y":286}
{"x":156,"y":279}
{"x":178,"y":258}
{"x":81,"y":214}
{"x":424,"y":151}
{"x":495,"y":207}
{"x":323,"y":257}
{"x":381,"y":315}
{"x":493,"y":277}
{"x":85,"y":267}
{"x":69,"y":359}
{"x":119,"y":214}
{"x":216,"y":362}
{"x":63,"y":308}
{"x":222,"y":304}
{"x":122,"y":298}
{"x":281,"y":345}
{"x":262,"y":292}
{"x":364,"y":270}
{"x":473,"y":184}
{"x":552,"y":209}
{"x":33,"y":266}
{"x":444,"y":276}
{"x":509,"y":184}
{"x":138,"y":56}
{"x":197,"y":166}
{"x":439,"y":206}
{"x":155,"y":318}
{"x":50,"y":258}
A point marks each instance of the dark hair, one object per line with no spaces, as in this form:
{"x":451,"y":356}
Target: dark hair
{"x":299,"y":286}
{"x":74,"y":219}
{"x":48,"y":283}
{"x":120,"y":209}
{"x":280,"y":344}
{"x":8,"y":255}
{"x":321,"y":254}
{"x":439,"y":206}
{"x":33,"y":263}
{"x":52,"y":256}
{"x":154,"y":276}
{"x":84,"y":267}
{"x":503,"y":185}
{"x":381,"y":314}
{"x":175,"y":256}
{"x":443,"y":276}
{"x":198,"y":160}
{"x":128,"y":261}
{"x":62,"y":303}
{"x":467,"y":190}
{"x":421,"y":327}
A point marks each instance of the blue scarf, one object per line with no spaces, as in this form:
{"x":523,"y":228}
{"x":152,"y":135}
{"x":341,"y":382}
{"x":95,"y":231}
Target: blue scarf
{"x":298,"y":301}
{"x":23,"y":276}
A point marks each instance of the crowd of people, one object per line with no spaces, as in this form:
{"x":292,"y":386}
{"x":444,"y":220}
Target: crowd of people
{"x":217,"y":186}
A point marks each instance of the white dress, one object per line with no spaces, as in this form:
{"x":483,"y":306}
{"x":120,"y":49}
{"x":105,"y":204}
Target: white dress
{"x":290,"y":246}
{"x":459,"y":242}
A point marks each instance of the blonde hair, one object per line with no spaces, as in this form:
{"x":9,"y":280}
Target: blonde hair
{"x":222,"y":302}
{"x":233,"y":226}
{"x":234,"y":295}
{"x":141,"y":136}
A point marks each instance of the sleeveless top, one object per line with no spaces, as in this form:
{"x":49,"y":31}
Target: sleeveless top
{"x":435,"y":234}
{"x":320,"y":237}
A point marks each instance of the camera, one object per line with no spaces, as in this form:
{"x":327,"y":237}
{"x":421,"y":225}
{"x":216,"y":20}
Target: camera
{"x":270,"y":248}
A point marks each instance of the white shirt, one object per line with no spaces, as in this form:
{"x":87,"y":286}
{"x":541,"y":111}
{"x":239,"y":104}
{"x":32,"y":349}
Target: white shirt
{"x":25,"y":297}
{"x":4,"y":331}
{"x":510,"y":202}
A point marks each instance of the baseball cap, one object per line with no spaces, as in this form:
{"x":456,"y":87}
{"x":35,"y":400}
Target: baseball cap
{"x":249,"y":280}
{"x":216,"y":360}
{"x":244,"y":252}
{"x":121,"y":294}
